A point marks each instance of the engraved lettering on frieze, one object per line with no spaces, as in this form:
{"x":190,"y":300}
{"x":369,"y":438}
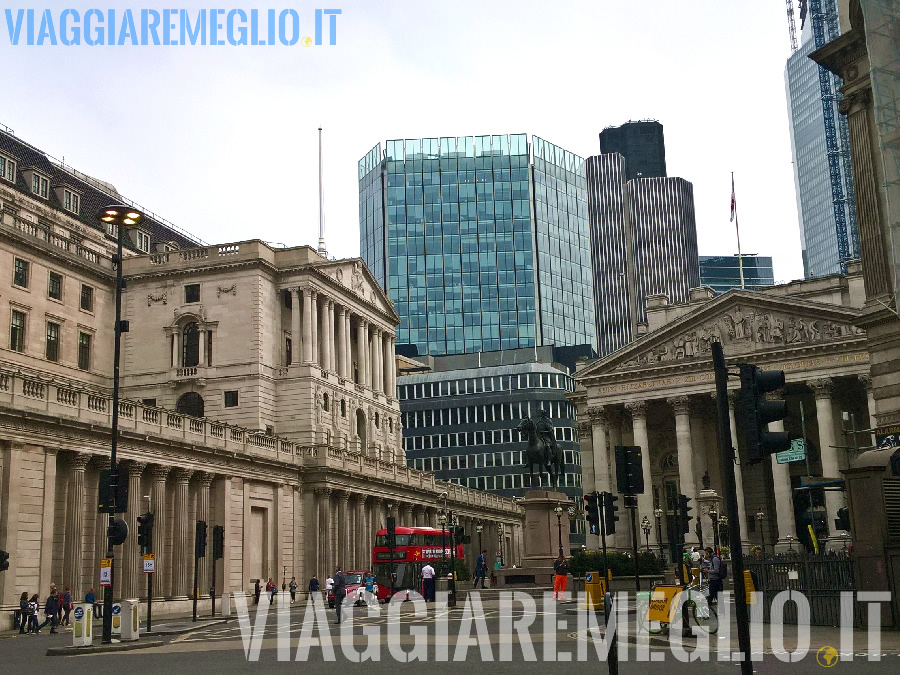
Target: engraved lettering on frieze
{"x":161,"y":297}
{"x":226,"y":289}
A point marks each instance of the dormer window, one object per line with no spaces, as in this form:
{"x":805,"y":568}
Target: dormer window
{"x":142,"y":241}
{"x":71,"y":201}
{"x":40,"y":185}
{"x":7,"y":169}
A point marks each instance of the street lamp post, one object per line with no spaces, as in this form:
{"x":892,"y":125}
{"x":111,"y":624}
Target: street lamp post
{"x":479,"y":528}
{"x":713,"y":512}
{"x":646,"y":526}
{"x":452,"y":526}
{"x":658,"y":514}
{"x":559,"y":511}
{"x":500,"y":542}
{"x":442,"y":519}
{"x":120,"y":216}
{"x":762,"y":535}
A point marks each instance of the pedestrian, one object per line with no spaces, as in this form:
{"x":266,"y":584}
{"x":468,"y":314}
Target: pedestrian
{"x":91,"y":599}
{"x":561,"y":578}
{"x":428,"y":582}
{"x":293,"y":588}
{"x":33,"y":608}
{"x":51,"y":611}
{"x":369,"y":580}
{"x":340,"y":591}
{"x":329,"y":586}
{"x":717,"y":572}
{"x":54,"y":589}
{"x":480,"y":568}
{"x":283,"y":584}
{"x":23,"y":612}
{"x":270,"y":589}
{"x":257,"y":589}
{"x":66,"y":605}
{"x":313,"y":585}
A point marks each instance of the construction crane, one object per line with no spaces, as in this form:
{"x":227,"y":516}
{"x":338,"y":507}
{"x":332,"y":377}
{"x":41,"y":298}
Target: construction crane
{"x":791,"y":25}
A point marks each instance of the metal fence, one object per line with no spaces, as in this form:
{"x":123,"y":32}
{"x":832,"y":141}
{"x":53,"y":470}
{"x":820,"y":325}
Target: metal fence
{"x":820,"y":577}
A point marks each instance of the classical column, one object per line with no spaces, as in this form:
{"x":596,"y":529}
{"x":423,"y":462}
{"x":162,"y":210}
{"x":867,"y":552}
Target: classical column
{"x":324,"y":342}
{"x":181,"y":535}
{"x":175,"y":360}
{"x":377,"y":380}
{"x":348,"y":349}
{"x":586,"y":448}
{"x":343,"y":530}
{"x":687,"y":483}
{"x":204,"y":480}
{"x":159,"y":474}
{"x":308,"y":325}
{"x":132,"y":567}
{"x":341,"y":338}
{"x":201,"y":358}
{"x":600,"y":452}
{"x":361,"y":347}
{"x":73,"y":567}
{"x":314,"y":314}
{"x":738,"y":477}
{"x":297,"y":342}
{"x":332,"y":339}
{"x":638,"y":410}
{"x":830,"y":464}
{"x":389,"y":366}
{"x":870,"y":403}
{"x":322,"y":520}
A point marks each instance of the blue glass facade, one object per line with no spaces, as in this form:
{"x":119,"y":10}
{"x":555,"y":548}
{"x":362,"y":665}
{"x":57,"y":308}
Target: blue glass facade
{"x":458,"y":230}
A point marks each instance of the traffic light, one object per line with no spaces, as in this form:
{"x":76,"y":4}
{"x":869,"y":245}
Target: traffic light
{"x":218,"y":542}
{"x":683,"y":510}
{"x":842,"y":522}
{"x":145,"y":532}
{"x":592,"y":512}
{"x":200,"y":539}
{"x":758,"y":412}
{"x":4,"y":561}
{"x":391,"y":531}
{"x":629,"y":470}
{"x":609,"y":512}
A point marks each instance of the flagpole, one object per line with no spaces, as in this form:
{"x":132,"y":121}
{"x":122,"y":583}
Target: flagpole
{"x":737,"y":231}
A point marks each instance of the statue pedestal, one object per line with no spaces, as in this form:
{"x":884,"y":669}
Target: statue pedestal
{"x":541,"y":539}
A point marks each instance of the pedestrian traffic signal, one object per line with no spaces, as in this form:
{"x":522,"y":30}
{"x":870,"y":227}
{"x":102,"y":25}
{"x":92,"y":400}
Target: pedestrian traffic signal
{"x":4,"y":561}
{"x":629,"y":470}
{"x":609,"y":512}
{"x":683,"y":510}
{"x":759,"y":412}
{"x":145,"y":532}
{"x":842,"y":522}
{"x":117,"y":532}
{"x":592,"y":511}
{"x":200,"y":539}
{"x":218,"y":542}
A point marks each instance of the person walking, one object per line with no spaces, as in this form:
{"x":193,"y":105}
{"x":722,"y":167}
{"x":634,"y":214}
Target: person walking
{"x":428,"y":582}
{"x":257,"y":590}
{"x":480,"y":568}
{"x":293,"y":588}
{"x":313,"y":585}
{"x":340,"y":591}
{"x":371,"y":598}
{"x":329,"y":586}
{"x":717,"y":572}
{"x":66,"y":606}
{"x":270,"y":589}
{"x":23,"y":612}
{"x":561,"y":578}
{"x":51,"y":611}
{"x":33,"y":608}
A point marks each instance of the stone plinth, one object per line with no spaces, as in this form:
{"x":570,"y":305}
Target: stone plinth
{"x":541,"y":537}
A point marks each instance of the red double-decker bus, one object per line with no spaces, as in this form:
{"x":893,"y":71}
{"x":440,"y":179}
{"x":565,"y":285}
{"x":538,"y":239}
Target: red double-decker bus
{"x":414,"y":547}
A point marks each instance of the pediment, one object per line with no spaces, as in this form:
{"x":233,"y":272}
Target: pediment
{"x":745,"y":322}
{"x":354,"y":274}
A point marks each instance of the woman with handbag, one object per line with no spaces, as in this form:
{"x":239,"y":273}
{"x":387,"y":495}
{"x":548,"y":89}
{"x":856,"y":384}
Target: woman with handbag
{"x":67,"y":606}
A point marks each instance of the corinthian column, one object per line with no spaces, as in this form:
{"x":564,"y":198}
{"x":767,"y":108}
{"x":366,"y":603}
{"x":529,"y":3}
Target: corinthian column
{"x":376,"y":355}
{"x":389,"y":366}
{"x":132,"y":568}
{"x":325,"y":342}
{"x":204,"y":480}
{"x":308,"y":325}
{"x":160,"y":530}
{"x":314,"y":314}
{"x":332,"y":342}
{"x":830,"y":464}
{"x":73,"y":567}
{"x":181,"y":535}
{"x":682,"y":409}
{"x":297,"y":343}
{"x":738,"y":473}
{"x":638,"y":410}
{"x":361,"y":348}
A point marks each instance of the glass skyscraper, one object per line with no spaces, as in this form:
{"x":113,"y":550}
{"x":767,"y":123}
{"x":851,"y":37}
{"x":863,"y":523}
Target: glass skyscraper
{"x":481,"y":242}
{"x":722,"y":272}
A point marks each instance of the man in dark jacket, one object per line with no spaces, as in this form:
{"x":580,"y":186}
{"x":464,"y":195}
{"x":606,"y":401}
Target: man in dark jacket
{"x":51,"y":611}
{"x":715,"y":575}
{"x":340,"y":592}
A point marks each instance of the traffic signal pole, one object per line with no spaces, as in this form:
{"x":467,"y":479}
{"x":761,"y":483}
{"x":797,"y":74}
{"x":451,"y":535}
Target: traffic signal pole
{"x":632,"y":506}
{"x":731,"y":503}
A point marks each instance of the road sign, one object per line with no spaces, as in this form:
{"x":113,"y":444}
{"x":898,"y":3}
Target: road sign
{"x":106,"y":571}
{"x":149,"y":563}
{"x":796,"y":453}
{"x":117,"y":609}
{"x":79,"y":613}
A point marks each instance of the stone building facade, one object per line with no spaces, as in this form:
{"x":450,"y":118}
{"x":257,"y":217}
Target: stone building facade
{"x":659,"y":393}
{"x":258,"y":394}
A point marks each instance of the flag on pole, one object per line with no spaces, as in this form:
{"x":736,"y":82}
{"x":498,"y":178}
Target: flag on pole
{"x":733,"y":202}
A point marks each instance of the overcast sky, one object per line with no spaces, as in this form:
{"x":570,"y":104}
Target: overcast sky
{"x":222,"y":141}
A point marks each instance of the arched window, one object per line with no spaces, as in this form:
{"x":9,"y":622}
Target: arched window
{"x":325,"y":402}
{"x":190,"y":404}
{"x":377,"y":421}
{"x":190,"y":345}
{"x":343,"y":408}
{"x":361,"y":431}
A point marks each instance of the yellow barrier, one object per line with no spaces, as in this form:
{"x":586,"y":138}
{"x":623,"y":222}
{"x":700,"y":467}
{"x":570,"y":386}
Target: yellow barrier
{"x":594,"y":590}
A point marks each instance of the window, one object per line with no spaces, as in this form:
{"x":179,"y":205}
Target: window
{"x":231,"y":399}
{"x":287,"y":299}
{"x":17,"y":331}
{"x":20,"y":274}
{"x":84,"y":351}
{"x":7,"y":169}
{"x":71,"y":201}
{"x":52,"y":341}
{"x":192,"y":293}
{"x":190,"y":345}
{"x":343,"y":408}
{"x":149,"y":402}
{"x":325,"y":402}
{"x":142,"y":241}
{"x":87,"y":298}
{"x":288,"y":352}
{"x":39,"y":185}
{"x":56,"y":285}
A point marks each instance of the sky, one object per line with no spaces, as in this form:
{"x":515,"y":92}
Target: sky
{"x":223,"y":141}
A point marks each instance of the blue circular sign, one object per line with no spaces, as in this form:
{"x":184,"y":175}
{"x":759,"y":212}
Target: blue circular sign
{"x":589,"y":577}
{"x":117,"y":609}
{"x":79,"y":613}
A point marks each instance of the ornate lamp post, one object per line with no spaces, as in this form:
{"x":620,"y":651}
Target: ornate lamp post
{"x":442,"y":519}
{"x":646,"y":526}
{"x":479,"y":528}
{"x":658,"y":514}
{"x":559,"y":511}
{"x":452,"y":525}
{"x":713,"y":512}
{"x":723,"y":528}
{"x":762,"y":535}
{"x":121,"y":216}
{"x":500,"y":537}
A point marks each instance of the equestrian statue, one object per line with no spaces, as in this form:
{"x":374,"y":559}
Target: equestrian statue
{"x":543,"y":450}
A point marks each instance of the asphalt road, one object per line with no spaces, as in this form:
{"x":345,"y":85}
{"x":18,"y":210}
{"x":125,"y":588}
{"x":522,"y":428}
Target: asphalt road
{"x":220,"y":649}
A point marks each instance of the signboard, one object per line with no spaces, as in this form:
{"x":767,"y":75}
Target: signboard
{"x":79,"y":613}
{"x":887,"y":437}
{"x":149,"y":563}
{"x":106,"y":572}
{"x":796,"y":453}
{"x":661,"y":603}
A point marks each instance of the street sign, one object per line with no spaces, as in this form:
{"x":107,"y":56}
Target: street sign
{"x":117,"y":609}
{"x":149,"y":563}
{"x":106,"y":572}
{"x":796,"y":453}
{"x":79,"y":613}
{"x":887,"y":437}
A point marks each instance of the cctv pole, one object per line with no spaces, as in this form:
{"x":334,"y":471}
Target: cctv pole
{"x":731,"y":502}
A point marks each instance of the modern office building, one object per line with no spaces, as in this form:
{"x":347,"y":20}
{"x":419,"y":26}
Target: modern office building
{"x":460,"y":419}
{"x":722,"y":272}
{"x":825,"y":198}
{"x":643,"y":146}
{"x":482,"y":242}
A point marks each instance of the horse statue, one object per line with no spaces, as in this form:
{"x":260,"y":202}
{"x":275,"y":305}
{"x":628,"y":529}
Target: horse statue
{"x":542,"y":451}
